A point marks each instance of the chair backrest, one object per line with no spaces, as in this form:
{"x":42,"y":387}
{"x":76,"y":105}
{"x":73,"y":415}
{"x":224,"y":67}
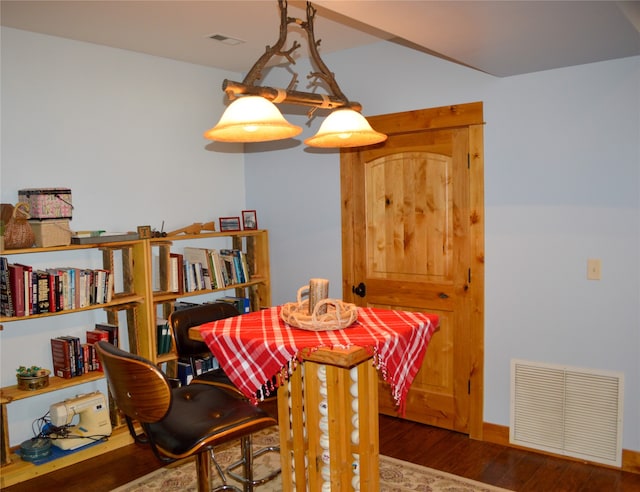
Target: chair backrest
{"x":180,"y":321}
{"x":139,"y":388}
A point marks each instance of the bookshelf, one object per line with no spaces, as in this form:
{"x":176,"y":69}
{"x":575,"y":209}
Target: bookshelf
{"x":257,"y":287}
{"x":140,"y":302}
{"x":130,"y":297}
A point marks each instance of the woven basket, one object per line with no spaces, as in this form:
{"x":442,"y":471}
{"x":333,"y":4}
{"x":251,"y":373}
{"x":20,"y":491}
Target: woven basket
{"x":18,"y":232}
{"x":339,"y":315}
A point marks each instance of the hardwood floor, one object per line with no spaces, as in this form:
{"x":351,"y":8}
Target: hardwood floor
{"x":490,"y":463}
{"x":429,"y":446}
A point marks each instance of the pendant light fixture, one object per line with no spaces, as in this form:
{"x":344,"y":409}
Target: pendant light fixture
{"x":345,"y":128}
{"x":252,"y":119}
{"x":253,"y":115}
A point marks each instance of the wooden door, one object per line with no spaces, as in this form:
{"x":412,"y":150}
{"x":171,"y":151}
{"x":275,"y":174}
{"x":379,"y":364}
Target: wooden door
{"x":413,"y":240}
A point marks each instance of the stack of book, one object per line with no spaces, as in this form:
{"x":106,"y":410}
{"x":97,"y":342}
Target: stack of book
{"x":202,"y":365}
{"x":207,"y":269}
{"x":164,"y":339}
{"x":25,"y":291}
{"x":242,"y":304}
{"x":71,"y":357}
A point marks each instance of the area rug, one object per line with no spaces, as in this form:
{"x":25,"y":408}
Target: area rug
{"x":395,"y":475}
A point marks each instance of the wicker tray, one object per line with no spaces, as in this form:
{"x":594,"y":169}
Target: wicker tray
{"x":338,"y":315}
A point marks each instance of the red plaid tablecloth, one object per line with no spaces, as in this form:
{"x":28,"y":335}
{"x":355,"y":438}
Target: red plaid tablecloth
{"x":255,"y":347}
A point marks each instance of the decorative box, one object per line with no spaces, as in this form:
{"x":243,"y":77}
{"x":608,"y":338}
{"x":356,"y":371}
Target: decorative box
{"x":52,"y":232}
{"x":32,"y":383}
{"x":47,"y":203}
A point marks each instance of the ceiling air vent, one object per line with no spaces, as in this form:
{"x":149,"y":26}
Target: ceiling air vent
{"x":226,"y":39}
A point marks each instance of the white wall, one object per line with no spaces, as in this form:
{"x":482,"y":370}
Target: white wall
{"x":122,"y":130}
{"x":562,"y":182}
{"x":562,"y":171}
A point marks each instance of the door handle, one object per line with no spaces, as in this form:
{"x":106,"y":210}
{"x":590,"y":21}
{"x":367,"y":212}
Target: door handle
{"x":442,"y":295}
{"x":360,"y":290}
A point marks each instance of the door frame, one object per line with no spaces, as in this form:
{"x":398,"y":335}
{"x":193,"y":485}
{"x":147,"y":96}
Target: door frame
{"x":469,"y":115}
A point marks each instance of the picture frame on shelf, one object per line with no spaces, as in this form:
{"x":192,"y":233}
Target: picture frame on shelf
{"x":249,"y":220}
{"x":144,"y":232}
{"x":229,"y":224}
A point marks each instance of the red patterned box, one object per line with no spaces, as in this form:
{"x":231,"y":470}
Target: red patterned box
{"x":47,"y":203}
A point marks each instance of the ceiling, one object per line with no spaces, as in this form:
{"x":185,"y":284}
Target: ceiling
{"x":502,"y":38}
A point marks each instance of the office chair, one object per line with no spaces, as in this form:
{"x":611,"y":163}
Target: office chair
{"x":181,"y":422}
{"x":191,"y":350}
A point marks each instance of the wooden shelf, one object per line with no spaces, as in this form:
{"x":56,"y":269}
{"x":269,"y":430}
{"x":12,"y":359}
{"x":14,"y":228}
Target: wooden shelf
{"x":18,"y":470}
{"x":140,"y":302}
{"x":171,"y":296}
{"x":133,"y":297}
{"x":255,"y":244}
{"x":119,"y":301}
{"x":205,"y":235}
{"x":12,"y":393}
{"x":71,"y":247}
{"x":168,"y":357}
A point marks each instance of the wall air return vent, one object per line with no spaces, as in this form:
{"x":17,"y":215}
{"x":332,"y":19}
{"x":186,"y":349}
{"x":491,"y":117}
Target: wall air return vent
{"x":567,"y":411}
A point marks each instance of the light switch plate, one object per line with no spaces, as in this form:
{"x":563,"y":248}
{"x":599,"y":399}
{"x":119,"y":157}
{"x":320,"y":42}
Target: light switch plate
{"x":593,"y":269}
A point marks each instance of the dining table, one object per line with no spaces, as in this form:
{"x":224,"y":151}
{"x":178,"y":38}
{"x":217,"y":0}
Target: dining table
{"x":326,"y":383}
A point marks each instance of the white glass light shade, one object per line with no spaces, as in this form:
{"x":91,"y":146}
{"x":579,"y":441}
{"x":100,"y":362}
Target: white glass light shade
{"x":252,"y":119}
{"x":345,"y":128}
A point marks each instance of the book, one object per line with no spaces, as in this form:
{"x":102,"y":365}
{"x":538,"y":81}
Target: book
{"x":77,"y":355}
{"x":184,"y":305}
{"x":228,"y":267}
{"x":109,"y":287}
{"x":100,"y":286}
{"x":68,"y":288}
{"x":83,"y":286}
{"x":163,"y":340}
{"x":56,"y":290}
{"x":89,"y":357}
{"x":199,"y":256}
{"x":176,"y":273}
{"x":245,"y":266}
{"x":16,"y":281}
{"x":53,"y":294}
{"x":104,"y":237}
{"x":221,"y":281}
{"x":94,"y":336}
{"x":27,"y":271}
{"x":189,"y":282}
{"x":112,"y":330}
{"x":242,"y":304}
{"x":205,"y":364}
{"x":73,"y":287}
{"x":184,"y":373}
{"x":61,"y":358}
{"x":237,"y":263}
{"x":43,"y":291}
{"x":33,"y":275}
{"x":215,"y":276}
{"x":6,"y":302}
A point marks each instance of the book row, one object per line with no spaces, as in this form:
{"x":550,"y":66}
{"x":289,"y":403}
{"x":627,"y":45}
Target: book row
{"x":207,"y":269}
{"x":164,"y":336}
{"x":26,"y":291}
{"x":202,"y":365}
{"x":71,"y":357}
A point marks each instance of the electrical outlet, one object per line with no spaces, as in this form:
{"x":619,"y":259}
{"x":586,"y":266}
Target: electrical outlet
{"x":593,"y":269}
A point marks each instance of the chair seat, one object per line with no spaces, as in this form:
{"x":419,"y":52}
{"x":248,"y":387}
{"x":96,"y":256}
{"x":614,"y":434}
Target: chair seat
{"x":189,"y":423}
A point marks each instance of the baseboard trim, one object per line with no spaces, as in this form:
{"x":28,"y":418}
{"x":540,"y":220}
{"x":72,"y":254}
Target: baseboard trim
{"x":499,"y":434}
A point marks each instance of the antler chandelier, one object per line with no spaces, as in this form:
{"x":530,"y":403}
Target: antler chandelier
{"x":253,"y":116}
